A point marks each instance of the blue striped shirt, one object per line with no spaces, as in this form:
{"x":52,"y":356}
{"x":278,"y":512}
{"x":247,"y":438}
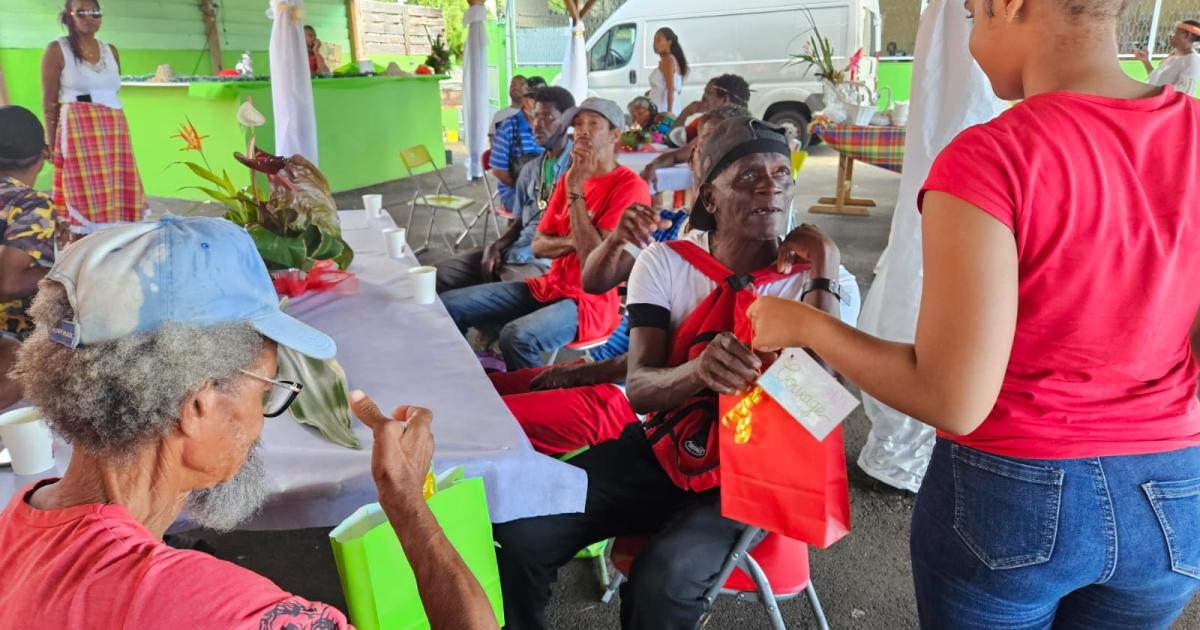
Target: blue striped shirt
{"x":514,"y":138}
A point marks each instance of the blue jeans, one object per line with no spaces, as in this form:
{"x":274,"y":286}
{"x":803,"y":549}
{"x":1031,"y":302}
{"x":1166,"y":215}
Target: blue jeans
{"x":529,"y":327}
{"x":1108,"y":542}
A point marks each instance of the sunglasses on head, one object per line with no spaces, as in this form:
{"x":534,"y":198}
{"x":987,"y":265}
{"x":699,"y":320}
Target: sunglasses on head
{"x":88,"y":13}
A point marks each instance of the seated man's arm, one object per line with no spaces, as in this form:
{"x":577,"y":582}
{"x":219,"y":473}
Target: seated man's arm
{"x":552,"y":246}
{"x":610,"y":264}
{"x":402,"y":456}
{"x":581,"y":374}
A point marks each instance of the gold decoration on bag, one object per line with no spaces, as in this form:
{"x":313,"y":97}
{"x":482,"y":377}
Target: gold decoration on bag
{"x":739,"y":416}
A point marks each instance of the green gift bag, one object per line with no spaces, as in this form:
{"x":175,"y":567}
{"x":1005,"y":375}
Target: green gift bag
{"x":381,"y":591}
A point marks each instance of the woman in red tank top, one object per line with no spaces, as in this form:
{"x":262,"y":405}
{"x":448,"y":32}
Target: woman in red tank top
{"x":1057,"y":345}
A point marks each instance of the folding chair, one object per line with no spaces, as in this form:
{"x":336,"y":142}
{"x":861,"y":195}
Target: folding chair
{"x":489,"y":207}
{"x":798,"y":159}
{"x":414,"y":158}
{"x":776,"y":571}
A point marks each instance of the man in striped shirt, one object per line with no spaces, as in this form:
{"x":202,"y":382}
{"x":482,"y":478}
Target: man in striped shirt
{"x":515,"y":144}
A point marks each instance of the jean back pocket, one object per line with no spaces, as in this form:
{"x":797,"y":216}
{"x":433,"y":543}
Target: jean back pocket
{"x":1177,"y":506}
{"x":1005,"y":511}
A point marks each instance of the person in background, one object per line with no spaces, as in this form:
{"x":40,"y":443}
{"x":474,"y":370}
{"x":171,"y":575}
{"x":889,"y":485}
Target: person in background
{"x":3,"y":87}
{"x":515,"y":144}
{"x":96,"y":180}
{"x":27,"y":241}
{"x":727,"y":89}
{"x":683,"y":155}
{"x":316,"y":63}
{"x":510,"y":257}
{"x":516,"y":95}
{"x":666,"y":82}
{"x":1181,"y":68}
{"x":747,"y":188}
{"x":643,"y":113}
{"x":545,"y":313}
{"x":163,"y":396}
{"x":1057,"y":346}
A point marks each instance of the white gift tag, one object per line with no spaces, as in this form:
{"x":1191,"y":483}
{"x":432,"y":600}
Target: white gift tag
{"x":807,"y":392}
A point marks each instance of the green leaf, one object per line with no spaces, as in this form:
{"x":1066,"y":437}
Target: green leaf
{"x":215,"y":194}
{"x":279,"y":252}
{"x":322,"y":245}
{"x":344,"y":259}
{"x":324,"y":403}
{"x":210,"y":176}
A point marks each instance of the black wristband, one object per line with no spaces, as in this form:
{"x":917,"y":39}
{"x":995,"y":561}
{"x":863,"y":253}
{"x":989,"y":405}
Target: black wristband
{"x":573,"y":197}
{"x":824,"y":284}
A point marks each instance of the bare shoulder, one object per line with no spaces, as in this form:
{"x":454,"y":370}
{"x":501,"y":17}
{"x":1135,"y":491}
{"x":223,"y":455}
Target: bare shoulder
{"x":54,"y":52}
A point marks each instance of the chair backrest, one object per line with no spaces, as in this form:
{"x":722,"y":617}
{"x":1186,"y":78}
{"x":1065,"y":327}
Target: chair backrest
{"x":798,"y":158}
{"x":783,"y":559}
{"x":416,"y":157}
{"x":486,"y":160}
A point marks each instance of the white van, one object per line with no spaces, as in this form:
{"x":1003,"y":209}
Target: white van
{"x":752,"y":38}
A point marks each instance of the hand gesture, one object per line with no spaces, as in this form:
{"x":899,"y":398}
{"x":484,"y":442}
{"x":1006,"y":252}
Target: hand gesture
{"x":808,"y":243}
{"x":778,"y":323}
{"x":650,"y":174}
{"x":489,"y":265}
{"x":727,"y":366}
{"x":637,"y":225}
{"x":403,"y":449}
{"x":584,"y":165}
{"x":1141,"y":55}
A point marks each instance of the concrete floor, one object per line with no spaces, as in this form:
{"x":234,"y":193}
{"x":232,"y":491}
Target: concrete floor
{"x":863,"y":580}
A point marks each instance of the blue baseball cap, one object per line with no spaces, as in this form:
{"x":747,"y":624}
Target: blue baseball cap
{"x":191,"y":270}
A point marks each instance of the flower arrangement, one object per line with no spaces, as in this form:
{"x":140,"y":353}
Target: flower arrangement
{"x":818,"y":54}
{"x":439,"y":59}
{"x":294,"y":223}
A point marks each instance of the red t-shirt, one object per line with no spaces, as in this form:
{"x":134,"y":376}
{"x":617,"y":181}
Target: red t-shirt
{"x":607,"y":198}
{"x":1101,"y":195}
{"x":94,"y":566}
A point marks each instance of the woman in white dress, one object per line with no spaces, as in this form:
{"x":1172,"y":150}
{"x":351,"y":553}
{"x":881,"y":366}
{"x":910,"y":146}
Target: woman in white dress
{"x":1182,"y":67}
{"x":671,"y":71}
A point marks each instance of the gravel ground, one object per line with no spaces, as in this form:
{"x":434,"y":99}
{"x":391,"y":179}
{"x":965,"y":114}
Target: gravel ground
{"x":863,"y":580}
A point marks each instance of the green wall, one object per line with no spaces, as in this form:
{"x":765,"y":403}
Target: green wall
{"x":362,"y":123}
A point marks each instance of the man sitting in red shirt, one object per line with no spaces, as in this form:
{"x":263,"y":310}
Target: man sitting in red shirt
{"x":548,"y":312}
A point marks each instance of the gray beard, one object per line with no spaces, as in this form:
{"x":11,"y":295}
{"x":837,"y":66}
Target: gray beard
{"x":223,"y":507}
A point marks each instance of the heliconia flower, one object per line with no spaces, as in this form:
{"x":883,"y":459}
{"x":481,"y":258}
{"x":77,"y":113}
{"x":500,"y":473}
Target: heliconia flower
{"x":192,"y":139}
{"x":248,"y":116}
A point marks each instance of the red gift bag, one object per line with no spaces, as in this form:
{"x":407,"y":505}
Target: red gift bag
{"x":783,"y":479}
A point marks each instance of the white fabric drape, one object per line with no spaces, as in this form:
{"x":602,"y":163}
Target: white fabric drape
{"x":291,"y":85}
{"x":475,"y":88}
{"x":574,"y":70}
{"x":949,"y":94}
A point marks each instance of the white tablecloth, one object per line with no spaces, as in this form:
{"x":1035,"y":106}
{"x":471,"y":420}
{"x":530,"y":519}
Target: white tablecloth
{"x":678,"y":177}
{"x":398,"y":352}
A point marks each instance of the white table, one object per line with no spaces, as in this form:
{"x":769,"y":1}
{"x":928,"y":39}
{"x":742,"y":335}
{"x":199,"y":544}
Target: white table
{"x":398,"y":352}
{"x":678,"y":177}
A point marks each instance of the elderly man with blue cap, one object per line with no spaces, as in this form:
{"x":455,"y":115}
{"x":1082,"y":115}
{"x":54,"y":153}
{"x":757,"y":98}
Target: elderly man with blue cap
{"x":154,"y":354}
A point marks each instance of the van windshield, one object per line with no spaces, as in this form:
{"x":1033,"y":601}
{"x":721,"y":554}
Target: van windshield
{"x":614,"y":49}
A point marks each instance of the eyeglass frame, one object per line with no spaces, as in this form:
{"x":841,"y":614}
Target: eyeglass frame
{"x":88,"y":13}
{"x":290,"y":386}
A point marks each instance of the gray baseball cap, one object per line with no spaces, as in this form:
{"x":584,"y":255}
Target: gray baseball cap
{"x":606,"y":108}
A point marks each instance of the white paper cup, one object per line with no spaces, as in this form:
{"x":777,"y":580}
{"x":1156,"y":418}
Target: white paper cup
{"x":28,"y":439}
{"x":424,"y":284}
{"x":374,"y":205}
{"x":396,"y":239}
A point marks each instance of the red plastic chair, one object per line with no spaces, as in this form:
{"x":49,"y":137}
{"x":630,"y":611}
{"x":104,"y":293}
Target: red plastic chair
{"x":776,"y":571}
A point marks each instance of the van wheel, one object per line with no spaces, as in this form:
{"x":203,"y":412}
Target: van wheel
{"x":796,"y":122}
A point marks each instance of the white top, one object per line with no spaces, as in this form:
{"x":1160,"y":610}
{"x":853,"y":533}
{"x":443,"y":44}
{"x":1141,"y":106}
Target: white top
{"x":1180,"y":71}
{"x":102,"y":80}
{"x":658,"y":89}
{"x":663,"y":278}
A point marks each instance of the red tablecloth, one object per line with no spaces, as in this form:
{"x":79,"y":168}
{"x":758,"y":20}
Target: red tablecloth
{"x":880,"y":146}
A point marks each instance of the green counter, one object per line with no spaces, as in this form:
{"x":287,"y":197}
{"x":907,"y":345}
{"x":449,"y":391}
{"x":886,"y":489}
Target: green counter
{"x":362,"y":124}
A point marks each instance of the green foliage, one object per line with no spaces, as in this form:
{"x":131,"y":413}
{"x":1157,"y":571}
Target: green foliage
{"x":323,"y":403}
{"x":818,"y":54}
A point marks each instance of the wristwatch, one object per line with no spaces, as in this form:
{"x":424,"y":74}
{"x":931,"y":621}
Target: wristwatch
{"x":824,"y":284}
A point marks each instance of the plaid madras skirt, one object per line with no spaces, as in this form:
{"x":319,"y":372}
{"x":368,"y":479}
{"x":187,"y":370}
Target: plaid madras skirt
{"x":95,"y":177}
